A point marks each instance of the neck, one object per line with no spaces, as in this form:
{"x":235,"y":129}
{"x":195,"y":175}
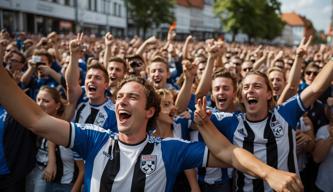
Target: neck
{"x":132,"y":139}
{"x":163,"y":129}
{"x":256,"y":117}
{"x":97,"y":101}
{"x":231,"y":108}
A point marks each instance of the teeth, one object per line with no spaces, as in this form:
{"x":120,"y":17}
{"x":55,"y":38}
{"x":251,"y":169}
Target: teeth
{"x":124,"y":112}
{"x":221,"y":99}
{"x":157,"y":80}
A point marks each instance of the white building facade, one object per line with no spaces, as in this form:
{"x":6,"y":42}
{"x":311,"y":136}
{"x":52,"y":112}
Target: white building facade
{"x":44,"y":16}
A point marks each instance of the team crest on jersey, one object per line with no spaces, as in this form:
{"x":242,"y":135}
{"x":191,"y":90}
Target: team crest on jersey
{"x":277,"y":129}
{"x":242,"y":132}
{"x":100,"y":119}
{"x":148,"y":164}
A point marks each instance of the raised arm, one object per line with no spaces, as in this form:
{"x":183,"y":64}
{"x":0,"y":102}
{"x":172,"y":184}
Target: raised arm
{"x":28,"y":113}
{"x":240,"y":158}
{"x":72,"y":74}
{"x":206,"y":80}
{"x":295,"y":72}
{"x":144,"y":45}
{"x":185,"y":92}
{"x":185,"y":47}
{"x":260,"y":61}
{"x":108,"y":43}
{"x":318,"y":86}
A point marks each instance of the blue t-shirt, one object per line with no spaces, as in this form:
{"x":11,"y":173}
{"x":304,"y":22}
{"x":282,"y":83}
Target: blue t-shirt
{"x":3,"y":163}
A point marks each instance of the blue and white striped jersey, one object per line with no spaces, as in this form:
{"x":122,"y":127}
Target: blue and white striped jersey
{"x":271,"y":140}
{"x":101,"y":115}
{"x":151,"y":165}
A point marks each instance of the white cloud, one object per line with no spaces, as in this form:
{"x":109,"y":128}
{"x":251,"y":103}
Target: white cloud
{"x":327,"y":10}
{"x":318,"y":11}
{"x":304,"y":4}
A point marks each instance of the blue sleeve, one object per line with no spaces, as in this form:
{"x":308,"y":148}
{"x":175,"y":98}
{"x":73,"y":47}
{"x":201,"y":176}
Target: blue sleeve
{"x":179,"y":155}
{"x":226,"y":123}
{"x":112,"y":122}
{"x":86,"y":139}
{"x":185,"y":125}
{"x":292,"y":110}
{"x":191,"y":104}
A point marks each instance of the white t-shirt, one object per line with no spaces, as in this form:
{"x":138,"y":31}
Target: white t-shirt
{"x":325,"y":171}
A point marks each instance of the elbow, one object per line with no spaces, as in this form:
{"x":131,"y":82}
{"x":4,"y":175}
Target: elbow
{"x":317,"y":159}
{"x":317,"y":156}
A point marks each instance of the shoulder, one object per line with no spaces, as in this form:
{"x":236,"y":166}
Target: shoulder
{"x":109,"y":105}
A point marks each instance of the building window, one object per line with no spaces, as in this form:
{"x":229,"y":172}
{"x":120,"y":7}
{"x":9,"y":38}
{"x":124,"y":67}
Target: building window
{"x":67,"y":2}
{"x":114,"y":9}
{"x":119,"y":10}
{"x":92,"y":5}
{"x":89,"y":5}
{"x":106,"y":7}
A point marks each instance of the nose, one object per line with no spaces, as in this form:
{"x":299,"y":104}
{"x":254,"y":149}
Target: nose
{"x":156,"y":73}
{"x":250,"y":89}
{"x":122,"y":101}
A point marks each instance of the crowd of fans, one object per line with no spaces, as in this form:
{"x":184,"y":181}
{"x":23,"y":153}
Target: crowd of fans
{"x":75,"y":78}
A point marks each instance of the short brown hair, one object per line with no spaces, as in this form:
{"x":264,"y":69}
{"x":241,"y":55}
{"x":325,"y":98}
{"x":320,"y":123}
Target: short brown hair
{"x":43,"y":53}
{"x":119,"y":60}
{"x":152,"y":98}
{"x":226,"y":74}
{"x":99,"y":67}
{"x":23,"y":59}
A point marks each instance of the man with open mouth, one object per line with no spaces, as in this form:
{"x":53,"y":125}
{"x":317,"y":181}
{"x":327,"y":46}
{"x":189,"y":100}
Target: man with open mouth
{"x":93,"y":105}
{"x":132,"y":160}
{"x":265,"y":130}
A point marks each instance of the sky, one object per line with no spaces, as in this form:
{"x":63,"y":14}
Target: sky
{"x":318,"y":11}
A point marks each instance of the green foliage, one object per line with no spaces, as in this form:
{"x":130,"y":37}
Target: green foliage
{"x":148,"y":13}
{"x":256,"y":18}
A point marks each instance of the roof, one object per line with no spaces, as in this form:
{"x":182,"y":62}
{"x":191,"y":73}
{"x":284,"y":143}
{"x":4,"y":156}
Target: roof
{"x":292,"y":19}
{"x":191,"y":3}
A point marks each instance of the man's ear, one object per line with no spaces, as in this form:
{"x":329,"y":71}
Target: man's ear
{"x":150,"y":112}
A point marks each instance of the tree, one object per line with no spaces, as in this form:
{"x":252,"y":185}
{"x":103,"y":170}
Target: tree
{"x":148,"y":13}
{"x":256,"y":18}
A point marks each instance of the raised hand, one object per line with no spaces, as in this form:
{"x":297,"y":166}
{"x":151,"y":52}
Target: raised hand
{"x":75,"y":45}
{"x":201,"y":114}
{"x":213,"y":50}
{"x":42,"y":43}
{"x":108,"y":39}
{"x":190,"y":69}
{"x":303,"y":46}
{"x":171,"y":35}
{"x":151,"y":40}
{"x":44,"y":69}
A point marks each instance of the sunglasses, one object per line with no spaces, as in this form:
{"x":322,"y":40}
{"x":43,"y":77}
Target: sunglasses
{"x":311,"y":72}
{"x":135,"y":64}
{"x":247,"y":69}
{"x":235,"y":63}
